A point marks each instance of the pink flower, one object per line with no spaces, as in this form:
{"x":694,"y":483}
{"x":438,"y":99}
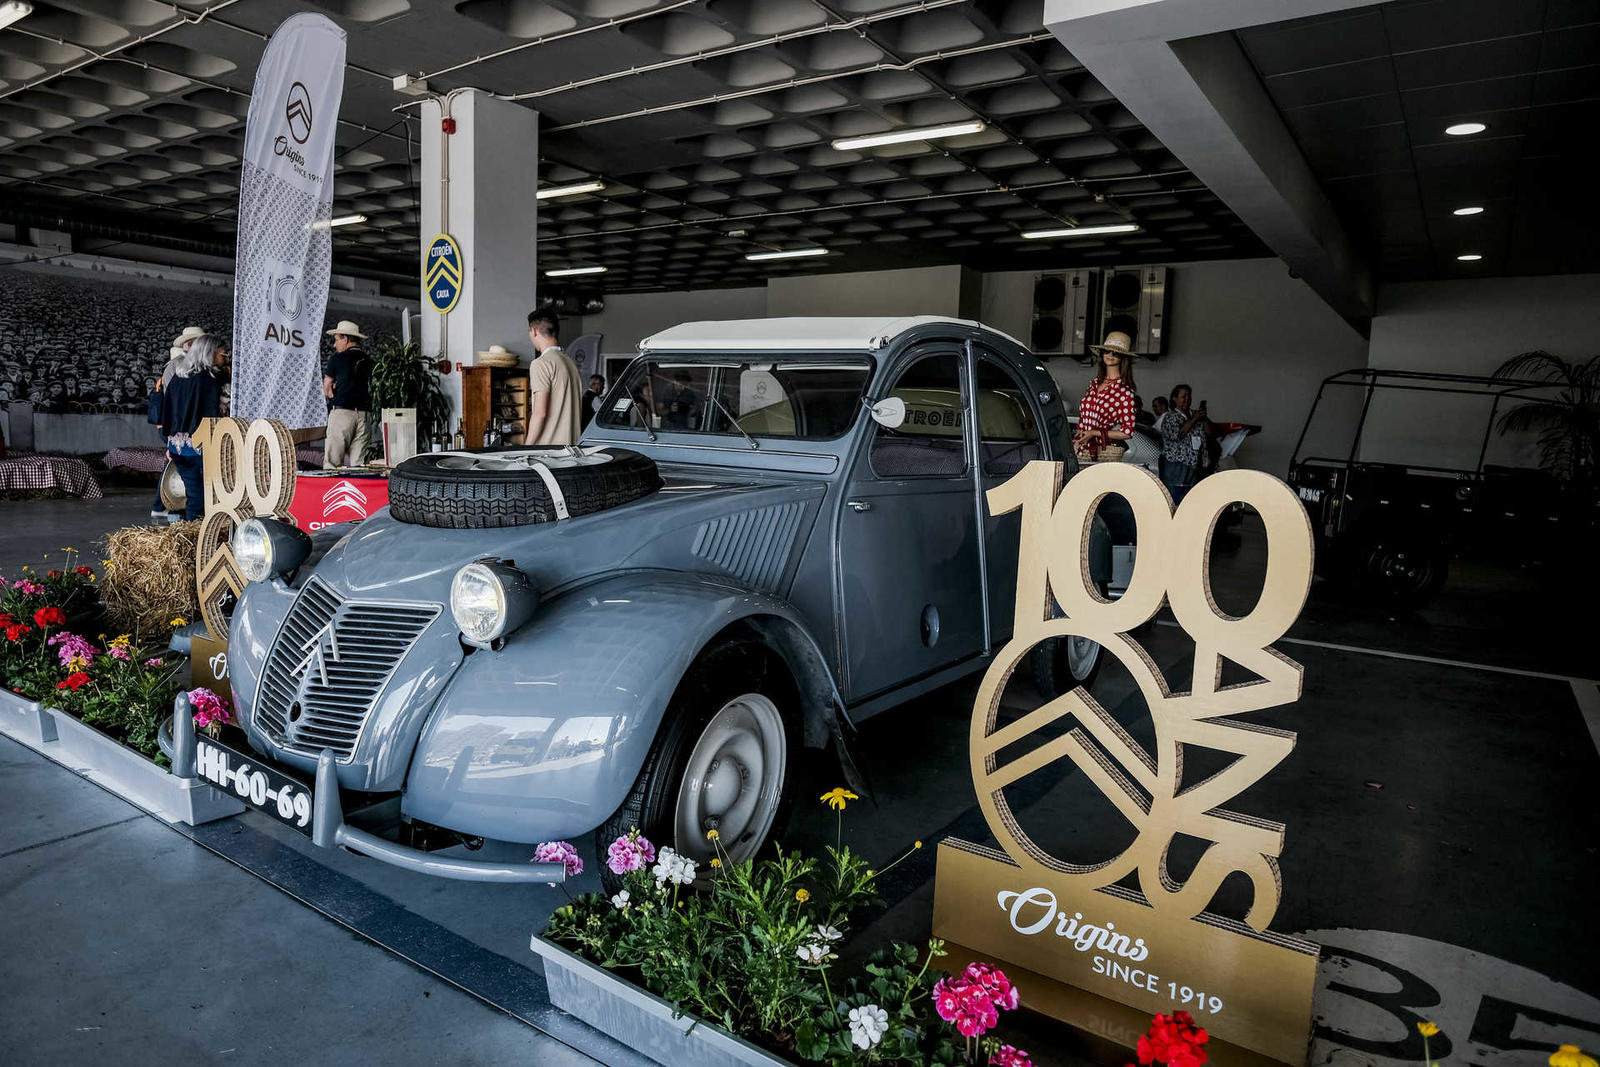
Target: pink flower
{"x":995,"y":982}
{"x":28,"y":588}
{"x":970,"y":1005}
{"x":156,"y":662}
{"x":1007,"y":1056}
{"x":210,"y":710}
{"x":73,"y":650}
{"x":118,"y":652}
{"x":560,"y":852}
{"x":630,"y":852}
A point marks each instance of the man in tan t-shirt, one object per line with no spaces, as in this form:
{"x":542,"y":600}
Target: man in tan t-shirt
{"x":555,"y":385}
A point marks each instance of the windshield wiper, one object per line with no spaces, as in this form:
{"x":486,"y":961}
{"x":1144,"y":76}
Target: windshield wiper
{"x":732,"y":421}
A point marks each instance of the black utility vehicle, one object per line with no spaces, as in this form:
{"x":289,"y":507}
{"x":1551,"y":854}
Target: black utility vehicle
{"x":1392,"y":514}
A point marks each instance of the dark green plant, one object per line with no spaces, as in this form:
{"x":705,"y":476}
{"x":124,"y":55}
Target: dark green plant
{"x":1568,"y":422}
{"x":402,"y":377}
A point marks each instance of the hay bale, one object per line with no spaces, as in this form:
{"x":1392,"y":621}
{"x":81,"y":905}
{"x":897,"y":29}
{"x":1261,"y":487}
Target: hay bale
{"x":149,"y":578}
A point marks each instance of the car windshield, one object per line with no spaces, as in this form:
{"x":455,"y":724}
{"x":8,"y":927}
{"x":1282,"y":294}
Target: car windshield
{"x":807,"y":400}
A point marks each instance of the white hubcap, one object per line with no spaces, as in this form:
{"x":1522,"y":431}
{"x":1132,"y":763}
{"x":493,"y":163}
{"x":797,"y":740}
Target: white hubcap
{"x":733,"y":782}
{"x":1081,"y":654}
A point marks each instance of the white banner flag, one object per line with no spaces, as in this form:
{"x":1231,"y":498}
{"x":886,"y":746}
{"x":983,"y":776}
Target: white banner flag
{"x":285,"y":249}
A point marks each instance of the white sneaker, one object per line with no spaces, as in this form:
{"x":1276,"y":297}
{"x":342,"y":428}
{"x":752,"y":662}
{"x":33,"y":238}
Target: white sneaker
{"x":158,"y":513}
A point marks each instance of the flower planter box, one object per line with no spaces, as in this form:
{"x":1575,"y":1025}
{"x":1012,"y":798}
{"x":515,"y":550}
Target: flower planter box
{"x":638,"y":1018}
{"x":91,"y":754}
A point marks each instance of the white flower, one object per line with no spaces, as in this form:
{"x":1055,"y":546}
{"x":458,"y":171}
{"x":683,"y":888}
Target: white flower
{"x":812,"y":953}
{"x":620,"y":901}
{"x":867,"y":1025}
{"x":673,"y":867}
{"x":829,"y":933}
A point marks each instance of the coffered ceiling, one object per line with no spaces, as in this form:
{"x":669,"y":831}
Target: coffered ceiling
{"x":710,"y":122}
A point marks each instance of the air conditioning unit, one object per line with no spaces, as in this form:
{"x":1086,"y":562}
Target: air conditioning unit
{"x":1133,"y":300}
{"x":1063,"y":313}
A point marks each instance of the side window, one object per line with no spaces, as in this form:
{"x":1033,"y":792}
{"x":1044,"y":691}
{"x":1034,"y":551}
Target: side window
{"x":1005,"y":419}
{"x":928,"y":444}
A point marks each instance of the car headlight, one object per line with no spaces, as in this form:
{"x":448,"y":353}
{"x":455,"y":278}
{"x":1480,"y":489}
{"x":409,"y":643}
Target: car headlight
{"x":489,"y":599}
{"x":265,"y":547}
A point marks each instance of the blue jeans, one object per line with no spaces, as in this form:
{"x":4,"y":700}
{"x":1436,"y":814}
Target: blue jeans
{"x":1178,"y":478}
{"x":191,"y":468}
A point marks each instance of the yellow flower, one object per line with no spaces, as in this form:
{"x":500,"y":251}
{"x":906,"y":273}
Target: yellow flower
{"x":1427,"y":1029}
{"x":716,"y":862}
{"x":801,"y":895}
{"x":916,"y":844}
{"x":1570,"y":1056}
{"x":835,"y":798}
{"x":178,"y":621}
{"x":121,"y":642}
{"x":69,"y":549}
{"x":712,"y":835}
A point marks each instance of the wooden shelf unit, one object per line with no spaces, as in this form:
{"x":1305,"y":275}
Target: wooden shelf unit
{"x":494,"y":393}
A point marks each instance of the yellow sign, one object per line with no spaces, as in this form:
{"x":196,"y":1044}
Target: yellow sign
{"x":1156,"y":948}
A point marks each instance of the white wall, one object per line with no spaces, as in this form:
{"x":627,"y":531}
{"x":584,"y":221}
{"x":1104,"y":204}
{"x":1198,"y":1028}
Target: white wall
{"x":913,"y":291}
{"x":1250,"y":340}
{"x":631,"y":317}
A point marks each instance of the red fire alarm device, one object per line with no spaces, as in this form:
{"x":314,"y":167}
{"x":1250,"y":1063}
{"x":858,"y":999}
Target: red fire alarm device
{"x":449,"y":126}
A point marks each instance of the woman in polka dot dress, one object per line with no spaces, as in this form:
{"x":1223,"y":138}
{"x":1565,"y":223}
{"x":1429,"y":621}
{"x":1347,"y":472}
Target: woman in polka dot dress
{"x":1107,"y":411}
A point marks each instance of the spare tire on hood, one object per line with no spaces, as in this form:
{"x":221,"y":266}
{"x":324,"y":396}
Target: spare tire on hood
{"x":490,"y":488}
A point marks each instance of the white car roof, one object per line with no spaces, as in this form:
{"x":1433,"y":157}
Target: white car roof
{"x":809,"y":334}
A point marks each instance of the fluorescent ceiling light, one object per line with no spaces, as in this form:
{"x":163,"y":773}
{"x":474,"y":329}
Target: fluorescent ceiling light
{"x":921,"y":133}
{"x":569,"y":190}
{"x":1467,"y":211}
{"x":342,"y":220}
{"x":1469,"y":257}
{"x":14,"y":11}
{"x":567,"y":272}
{"x":793,"y":253}
{"x":1465,"y":129}
{"x":1082,"y":231}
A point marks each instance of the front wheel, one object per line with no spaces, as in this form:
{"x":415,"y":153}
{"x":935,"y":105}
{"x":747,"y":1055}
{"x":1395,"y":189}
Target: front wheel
{"x":723,"y":760}
{"x":1405,"y":570}
{"x":1062,"y":664}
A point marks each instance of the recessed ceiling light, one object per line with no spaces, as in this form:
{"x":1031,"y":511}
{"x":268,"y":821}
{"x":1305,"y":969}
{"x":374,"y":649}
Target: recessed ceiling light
{"x":793,"y":253}
{"x":569,"y":190}
{"x":1469,"y":257}
{"x":342,"y":220}
{"x":1082,"y":231}
{"x":13,"y":11}
{"x":1467,"y":211}
{"x":921,"y":133}
{"x":1465,"y":129}
{"x":567,"y":272}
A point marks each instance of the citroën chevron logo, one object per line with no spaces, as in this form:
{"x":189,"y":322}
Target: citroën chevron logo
{"x":298,"y":112}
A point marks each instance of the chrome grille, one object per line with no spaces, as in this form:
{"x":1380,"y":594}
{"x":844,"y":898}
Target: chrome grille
{"x":329,"y":665}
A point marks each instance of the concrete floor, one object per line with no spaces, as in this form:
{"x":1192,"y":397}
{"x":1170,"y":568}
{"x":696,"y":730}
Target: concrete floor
{"x":1443,"y":841}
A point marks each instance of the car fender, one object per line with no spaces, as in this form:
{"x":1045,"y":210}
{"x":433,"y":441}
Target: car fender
{"x":543,"y":738}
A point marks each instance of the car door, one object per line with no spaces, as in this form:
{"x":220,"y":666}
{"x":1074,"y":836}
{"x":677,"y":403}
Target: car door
{"x":1010,"y":437}
{"x":909,"y":581}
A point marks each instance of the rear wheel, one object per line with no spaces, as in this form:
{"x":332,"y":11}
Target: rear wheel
{"x":1401,"y":568}
{"x":723,"y":760}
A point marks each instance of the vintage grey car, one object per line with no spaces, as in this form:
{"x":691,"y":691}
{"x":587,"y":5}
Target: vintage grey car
{"x":773,"y":531}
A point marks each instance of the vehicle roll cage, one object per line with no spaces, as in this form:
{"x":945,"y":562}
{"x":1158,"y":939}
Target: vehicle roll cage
{"x":1499,"y":388}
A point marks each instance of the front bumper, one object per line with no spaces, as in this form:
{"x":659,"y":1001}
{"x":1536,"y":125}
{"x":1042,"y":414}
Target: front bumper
{"x":329,"y":829}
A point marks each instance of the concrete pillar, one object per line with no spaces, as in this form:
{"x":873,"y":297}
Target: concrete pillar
{"x":487,"y":204}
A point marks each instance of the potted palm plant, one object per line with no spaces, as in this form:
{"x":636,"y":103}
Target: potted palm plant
{"x":1568,"y":422}
{"x":403,"y":378}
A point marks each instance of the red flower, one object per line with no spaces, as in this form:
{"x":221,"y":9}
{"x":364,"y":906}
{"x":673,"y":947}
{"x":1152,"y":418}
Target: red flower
{"x":54,"y":574}
{"x":6,"y":619}
{"x":76,"y":680}
{"x":1175,"y":1042}
{"x":81,"y":569}
{"x":15,"y":630}
{"x":49,"y":617}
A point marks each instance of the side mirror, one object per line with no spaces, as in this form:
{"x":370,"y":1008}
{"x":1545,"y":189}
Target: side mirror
{"x":889,"y":412}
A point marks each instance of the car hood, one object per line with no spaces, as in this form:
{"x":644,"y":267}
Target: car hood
{"x":702,"y":519}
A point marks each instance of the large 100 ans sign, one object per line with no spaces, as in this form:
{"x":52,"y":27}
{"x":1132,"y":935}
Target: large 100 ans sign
{"x":249,"y":470}
{"x":1155,"y":947}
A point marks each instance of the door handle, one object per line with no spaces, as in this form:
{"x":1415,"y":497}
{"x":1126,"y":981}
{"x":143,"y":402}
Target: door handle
{"x":858,"y":505}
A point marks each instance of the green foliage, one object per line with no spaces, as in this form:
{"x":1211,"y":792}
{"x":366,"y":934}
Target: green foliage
{"x":1568,"y":422}
{"x":752,"y":948}
{"x":403,"y":378}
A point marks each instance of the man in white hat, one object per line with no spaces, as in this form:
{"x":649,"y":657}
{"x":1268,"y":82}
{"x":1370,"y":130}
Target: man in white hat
{"x":345,"y":384}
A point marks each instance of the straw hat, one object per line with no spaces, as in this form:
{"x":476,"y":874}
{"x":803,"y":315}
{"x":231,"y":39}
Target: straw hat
{"x":348,"y":328}
{"x":189,"y":334}
{"x":1116,"y":341}
{"x":496,"y":356}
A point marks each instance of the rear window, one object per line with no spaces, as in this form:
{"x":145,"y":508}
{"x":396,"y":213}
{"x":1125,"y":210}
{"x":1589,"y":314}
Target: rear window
{"x":807,"y":400}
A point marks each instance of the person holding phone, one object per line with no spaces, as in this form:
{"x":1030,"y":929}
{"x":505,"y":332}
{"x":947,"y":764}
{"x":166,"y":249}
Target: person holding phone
{"x":1183,"y":434}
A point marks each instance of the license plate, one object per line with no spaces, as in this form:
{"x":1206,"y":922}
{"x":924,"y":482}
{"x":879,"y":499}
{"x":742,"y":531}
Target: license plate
{"x":258,"y":785}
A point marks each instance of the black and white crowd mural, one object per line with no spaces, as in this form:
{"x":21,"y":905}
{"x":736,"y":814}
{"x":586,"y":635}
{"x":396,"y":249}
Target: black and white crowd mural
{"x":93,"y":342}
